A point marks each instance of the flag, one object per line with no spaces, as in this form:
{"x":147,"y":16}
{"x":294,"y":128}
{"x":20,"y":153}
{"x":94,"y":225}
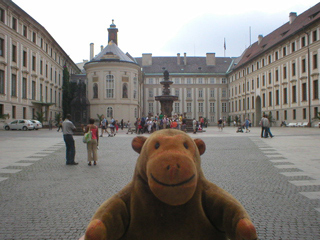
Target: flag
{"x":224,"y":45}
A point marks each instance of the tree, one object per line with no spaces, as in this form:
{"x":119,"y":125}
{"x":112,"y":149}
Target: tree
{"x":57,"y":118}
{"x":40,"y":116}
{"x":229,"y":120}
{"x":100,"y":117}
{"x":270,"y":118}
{"x":66,"y":106}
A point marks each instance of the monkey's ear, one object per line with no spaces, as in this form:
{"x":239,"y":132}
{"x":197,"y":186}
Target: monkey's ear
{"x":201,"y":145}
{"x":137,"y":143}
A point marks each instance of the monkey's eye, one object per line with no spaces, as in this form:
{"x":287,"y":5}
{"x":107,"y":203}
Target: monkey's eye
{"x":157,"y":145}
{"x":186,"y":145}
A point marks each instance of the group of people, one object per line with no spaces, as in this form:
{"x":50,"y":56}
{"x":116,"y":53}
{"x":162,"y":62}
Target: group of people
{"x":158,"y":122}
{"x":92,"y":146}
{"x":142,"y":125}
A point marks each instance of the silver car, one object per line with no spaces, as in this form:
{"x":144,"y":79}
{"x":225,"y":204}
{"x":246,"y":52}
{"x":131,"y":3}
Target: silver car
{"x":37,"y":124}
{"x":19,"y":124}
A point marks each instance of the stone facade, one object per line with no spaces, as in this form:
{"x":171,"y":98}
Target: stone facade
{"x":31,"y":66}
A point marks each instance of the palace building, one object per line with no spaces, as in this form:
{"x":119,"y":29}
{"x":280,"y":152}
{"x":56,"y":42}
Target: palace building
{"x":31,"y":66}
{"x":277,"y":75}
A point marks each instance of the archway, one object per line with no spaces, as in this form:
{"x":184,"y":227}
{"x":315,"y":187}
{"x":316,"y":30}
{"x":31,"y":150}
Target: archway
{"x":258,"y":111}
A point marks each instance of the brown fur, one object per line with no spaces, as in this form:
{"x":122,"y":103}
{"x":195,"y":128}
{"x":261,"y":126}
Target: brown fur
{"x":169,"y":198}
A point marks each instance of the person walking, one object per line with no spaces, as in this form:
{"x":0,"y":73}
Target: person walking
{"x":67,"y":129}
{"x":267,"y":128}
{"x":264,"y":124}
{"x":92,"y":146}
{"x":104,"y":125}
{"x":60,"y":125}
{"x":129,"y":127}
{"x":121,"y":124}
{"x":50,"y":124}
{"x":246,"y":123}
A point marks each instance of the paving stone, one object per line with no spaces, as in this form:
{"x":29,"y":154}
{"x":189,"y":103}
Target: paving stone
{"x":49,"y":200}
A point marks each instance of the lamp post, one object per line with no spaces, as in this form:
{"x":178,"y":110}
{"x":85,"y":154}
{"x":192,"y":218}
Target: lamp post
{"x":309,"y":81}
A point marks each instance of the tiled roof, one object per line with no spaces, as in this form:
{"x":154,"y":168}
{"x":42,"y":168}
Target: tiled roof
{"x":195,"y":65}
{"x":113,"y":53}
{"x":284,"y":32}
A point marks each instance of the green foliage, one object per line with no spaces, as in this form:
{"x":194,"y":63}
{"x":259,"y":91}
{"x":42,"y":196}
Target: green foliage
{"x":4,"y":116}
{"x":237,"y":119}
{"x":100,"y":117}
{"x":57,"y":118}
{"x":68,"y":92}
{"x":39,"y":116}
{"x":229,"y":120}
{"x":270,"y":118}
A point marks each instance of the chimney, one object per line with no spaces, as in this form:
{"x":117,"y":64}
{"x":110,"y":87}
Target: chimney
{"x":101,"y":47}
{"x":146,"y":59}
{"x":91,"y":51}
{"x":211,"y":59}
{"x":260,"y":37}
{"x":178,"y":59}
{"x":185,"y":58}
{"x":292,"y":17}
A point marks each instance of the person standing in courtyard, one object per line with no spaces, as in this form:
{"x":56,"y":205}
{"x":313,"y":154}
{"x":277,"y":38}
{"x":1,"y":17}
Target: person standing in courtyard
{"x":92,"y":146}
{"x":194,"y":126}
{"x":220,"y":124}
{"x":67,"y":129}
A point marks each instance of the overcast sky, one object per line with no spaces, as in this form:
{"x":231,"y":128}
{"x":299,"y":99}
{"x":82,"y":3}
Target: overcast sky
{"x":163,"y":28}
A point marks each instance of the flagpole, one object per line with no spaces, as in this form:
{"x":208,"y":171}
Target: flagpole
{"x":224,"y":47}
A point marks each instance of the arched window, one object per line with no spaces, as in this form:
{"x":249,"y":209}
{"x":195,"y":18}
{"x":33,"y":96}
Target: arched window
{"x":109,"y":112}
{"x":110,"y":86}
{"x":124,"y":90}
{"x":95,"y":90}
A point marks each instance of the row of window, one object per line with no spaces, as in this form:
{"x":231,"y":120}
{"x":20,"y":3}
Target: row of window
{"x":189,"y":93}
{"x":236,"y":105}
{"x":210,"y":80}
{"x":276,"y":76}
{"x":24,"y":31}
{"x":276,"y":55}
{"x":200,"y":110}
{"x":24,"y":90}
{"x":44,"y":69}
{"x":110,"y":88}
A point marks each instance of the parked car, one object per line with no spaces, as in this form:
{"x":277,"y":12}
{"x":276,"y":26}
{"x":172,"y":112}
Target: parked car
{"x":37,"y":124}
{"x":19,"y":124}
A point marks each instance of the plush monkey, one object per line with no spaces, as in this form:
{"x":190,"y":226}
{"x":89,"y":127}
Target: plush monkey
{"x":169,"y":198}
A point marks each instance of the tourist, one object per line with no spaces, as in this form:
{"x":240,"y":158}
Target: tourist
{"x":92,"y":146}
{"x":67,"y":129}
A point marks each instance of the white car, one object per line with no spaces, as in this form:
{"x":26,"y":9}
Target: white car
{"x":37,"y":124}
{"x":19,"y":124}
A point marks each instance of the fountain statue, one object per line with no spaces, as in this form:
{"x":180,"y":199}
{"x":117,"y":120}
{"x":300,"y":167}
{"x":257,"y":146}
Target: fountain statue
{"x":166,"y":100}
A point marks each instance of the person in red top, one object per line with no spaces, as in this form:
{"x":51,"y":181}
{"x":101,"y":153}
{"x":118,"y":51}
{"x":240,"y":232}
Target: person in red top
{"x":92,"y":146}
{"x":174,"y":124}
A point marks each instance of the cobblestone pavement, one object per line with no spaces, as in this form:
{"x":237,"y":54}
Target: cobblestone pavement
{"x":277,"y":180}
